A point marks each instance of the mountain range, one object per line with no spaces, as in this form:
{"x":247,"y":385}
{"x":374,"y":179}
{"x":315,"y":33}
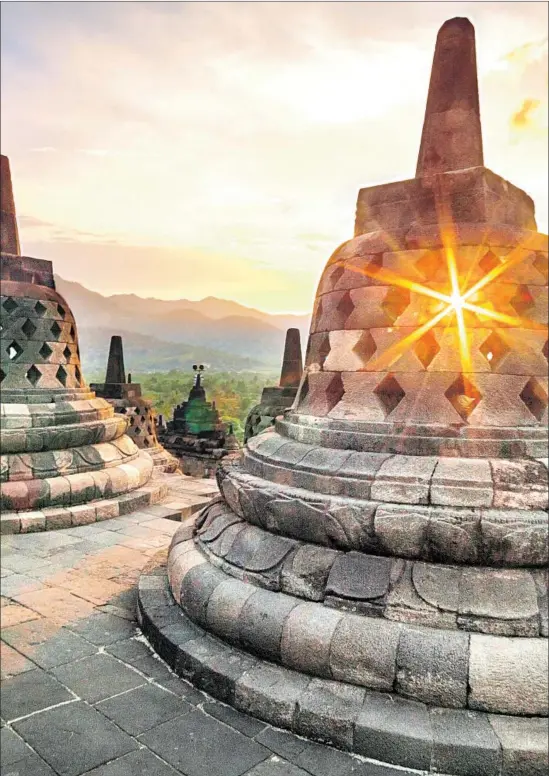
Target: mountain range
{"x":160,"y":335}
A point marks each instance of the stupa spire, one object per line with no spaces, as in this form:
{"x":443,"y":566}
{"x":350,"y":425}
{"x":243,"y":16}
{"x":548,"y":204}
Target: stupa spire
{"x":452,"y":134}
{"x":9,"y":235}
{"x":116,"y":372}
{"x":292,"y":363}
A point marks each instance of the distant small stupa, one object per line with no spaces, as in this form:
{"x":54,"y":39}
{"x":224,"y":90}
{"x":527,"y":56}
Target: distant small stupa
{"x":276,"y":399}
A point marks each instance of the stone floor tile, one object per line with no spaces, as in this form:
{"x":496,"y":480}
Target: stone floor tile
{"x":162,"y":524}
{"x":138,"y":763}
{"x":322,"y":761}
{"x":143,"y":708}
{"x":282,"y":743}
{"x":30,"y":692}
{"x":12,"y":663}
{"x":46,"y":643}
{"x":97,"y":677}
{"x":58,"y":605}
{"x":14,"y":614}
{"x":235,"y":719}
{"x":152,"y":543}
{"x":74,"y":739}
{"x":276,"y":766}
{"x":186,"y":743}
{"x":87,"y":586}
{"x":183,"y":689}
{"x":19,"y":584}
{"x":129,"y":651}
{"x":31,"y":765}
{"x":103,"y":629}
{"x":18,"y":759}
{"x":42,"y":544}
{"x":21,"y":563}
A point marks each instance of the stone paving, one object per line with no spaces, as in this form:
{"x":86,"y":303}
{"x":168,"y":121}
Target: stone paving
{"x":82,"y":692}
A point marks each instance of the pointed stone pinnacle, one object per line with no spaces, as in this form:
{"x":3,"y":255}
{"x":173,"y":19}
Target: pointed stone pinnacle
{"x":115,"y":365}
{"x":9,"y":235}
{"x":292,"y":363}
{"x":452,"y":134}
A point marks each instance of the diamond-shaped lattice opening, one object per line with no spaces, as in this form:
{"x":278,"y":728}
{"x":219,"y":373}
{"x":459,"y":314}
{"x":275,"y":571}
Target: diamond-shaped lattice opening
{"x":541,"y":264}
{"x":9,"y":305}
{"x":28,"y":328}
{"x":545,"y":350}
{"x":72,"y":333}
{"x":2,"y":375}
{"x":304,"y":391}
{"x":375,"y":265}
{"x":61,"y":310}
{"x":78,"y":374}
{"x":463,"y":396}
{"x":494,"y":349}
{"x":395,"y":302}
{"x":336,"y":275}
{"x":62,"y":375}
{"x":489,"y":262}
{"x":67,"y":352}
{"x":334,"y":392}
{"x":33,"y":375}
{"x":365,"y":347}
{"x":429,"y":264}
{"x":45,"y":351}
{"x":324,"y":350}
{"x":40,"y":309}
{"x":56,"y":329}
{"x":522,"y":300}
{"x":146,"y":442}
{"x":132,"y":420}
{"x":13,"y":350}
{"x":427,"y":348}
{"x":346,"y":305}
{"x":535,"y":397}
{"x":390,"y":393}
{"x":137,"y":431}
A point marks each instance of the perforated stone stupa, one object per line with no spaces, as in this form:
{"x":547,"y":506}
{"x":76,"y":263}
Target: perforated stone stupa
{"x":126,"y":398}
{"x":66,"y":457}
{"x":375,"y":573}
{"x":276,"y":399}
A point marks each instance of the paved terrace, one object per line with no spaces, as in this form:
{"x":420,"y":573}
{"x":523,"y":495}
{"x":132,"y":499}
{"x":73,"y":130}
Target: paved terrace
{"x":82,"y":692}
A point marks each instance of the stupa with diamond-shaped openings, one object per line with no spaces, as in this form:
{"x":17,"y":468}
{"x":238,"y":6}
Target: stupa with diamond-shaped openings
{"x":375,"y":573}
{"x":66,"y":457}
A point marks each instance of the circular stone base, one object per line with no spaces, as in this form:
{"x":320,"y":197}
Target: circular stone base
{"x":380,"y":726}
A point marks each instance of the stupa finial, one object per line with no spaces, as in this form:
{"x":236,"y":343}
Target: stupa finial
{"x":116,"y":372}
{"x":9,"y":234}
{"x":452,"y":134}
{"x":292,"y":363}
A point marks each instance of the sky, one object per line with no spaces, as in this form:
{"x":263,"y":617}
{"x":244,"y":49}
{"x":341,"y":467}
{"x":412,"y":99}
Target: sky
{"x":216,"y":149}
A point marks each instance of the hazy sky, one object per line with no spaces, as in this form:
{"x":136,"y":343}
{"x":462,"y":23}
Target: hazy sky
{"x":216,"y":149}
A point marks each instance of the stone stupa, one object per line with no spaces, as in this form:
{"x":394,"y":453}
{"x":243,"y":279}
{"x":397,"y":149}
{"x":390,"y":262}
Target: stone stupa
{"x":126,"y":398}
{"x":375,"y":573}
{"x":276,"y":399}
{"x":66,"y":457}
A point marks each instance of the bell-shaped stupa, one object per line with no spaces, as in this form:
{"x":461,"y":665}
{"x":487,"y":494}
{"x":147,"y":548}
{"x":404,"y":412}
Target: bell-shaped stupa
{"x":66,"y":457}
{"x":276,"y":399}
{"x":375,"y":573}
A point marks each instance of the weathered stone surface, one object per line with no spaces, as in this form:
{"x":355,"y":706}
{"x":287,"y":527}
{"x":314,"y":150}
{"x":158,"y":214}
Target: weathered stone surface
{"x":501,"y":594}
{"x":519,"y":484}
{"x":432,"y":666}
{"x":326,"y":711}
{"x":224,"y":609}
{"x":508,"y":675}
{"x":197,"y":587}
{"x":438,"y":585}
{"x":524,"y":744}
{"x":464,"y":482}
{"x":355,"y":575}
{"x":464,"y":743}
{"x":394,"y":731}
{"x":261,"y":623}
{"x":363,"y":652}
{"x":402,"y":534}
{"x":306,"y":573}
{"x":270,"y":693}
{"x":307,"y":637}
{"x":404,"y":479}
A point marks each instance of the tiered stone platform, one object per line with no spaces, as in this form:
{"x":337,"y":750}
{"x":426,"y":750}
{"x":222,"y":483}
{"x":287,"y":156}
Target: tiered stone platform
{"x":375,"y":573}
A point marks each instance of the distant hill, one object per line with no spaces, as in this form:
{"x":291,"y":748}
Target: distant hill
{"x":219,"y":332}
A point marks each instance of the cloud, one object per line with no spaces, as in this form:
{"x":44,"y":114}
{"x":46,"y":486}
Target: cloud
{"x":525,"y":116}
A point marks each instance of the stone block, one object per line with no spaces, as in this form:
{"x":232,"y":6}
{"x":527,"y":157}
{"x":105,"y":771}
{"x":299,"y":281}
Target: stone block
{"x":82,"y":515}
{"x":508,"y":594}
{"x":10,"y":523}
{"x":183,"y":558}
{"x":464,"y":744}
{"x":402,"y":531}
{"x":514,"y":537}
{"x":307,"y":637}
{"x":270,"y":693}
{"x":432,"y":666}
{"x":519,"y":484}
{"x":452,"y":535}
{"x":57,"y":518}
{"x":197,"y":586}
{"x":32,"y":521}
{"x":107,"y":509}
{"x":508,"y":675}
{"x":437,"y":585}
{"x":524,"y":744}
{"x":224,"y":609}
{"x":358,"y":576}
{"x":464,"y":482}
{"x":404,"y":479}
{"x":364,"y":651}
{"x":305,"y":574}
{"x":327,"y":711}
{"x":395,"y":731}
{"x":261,"y":623}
